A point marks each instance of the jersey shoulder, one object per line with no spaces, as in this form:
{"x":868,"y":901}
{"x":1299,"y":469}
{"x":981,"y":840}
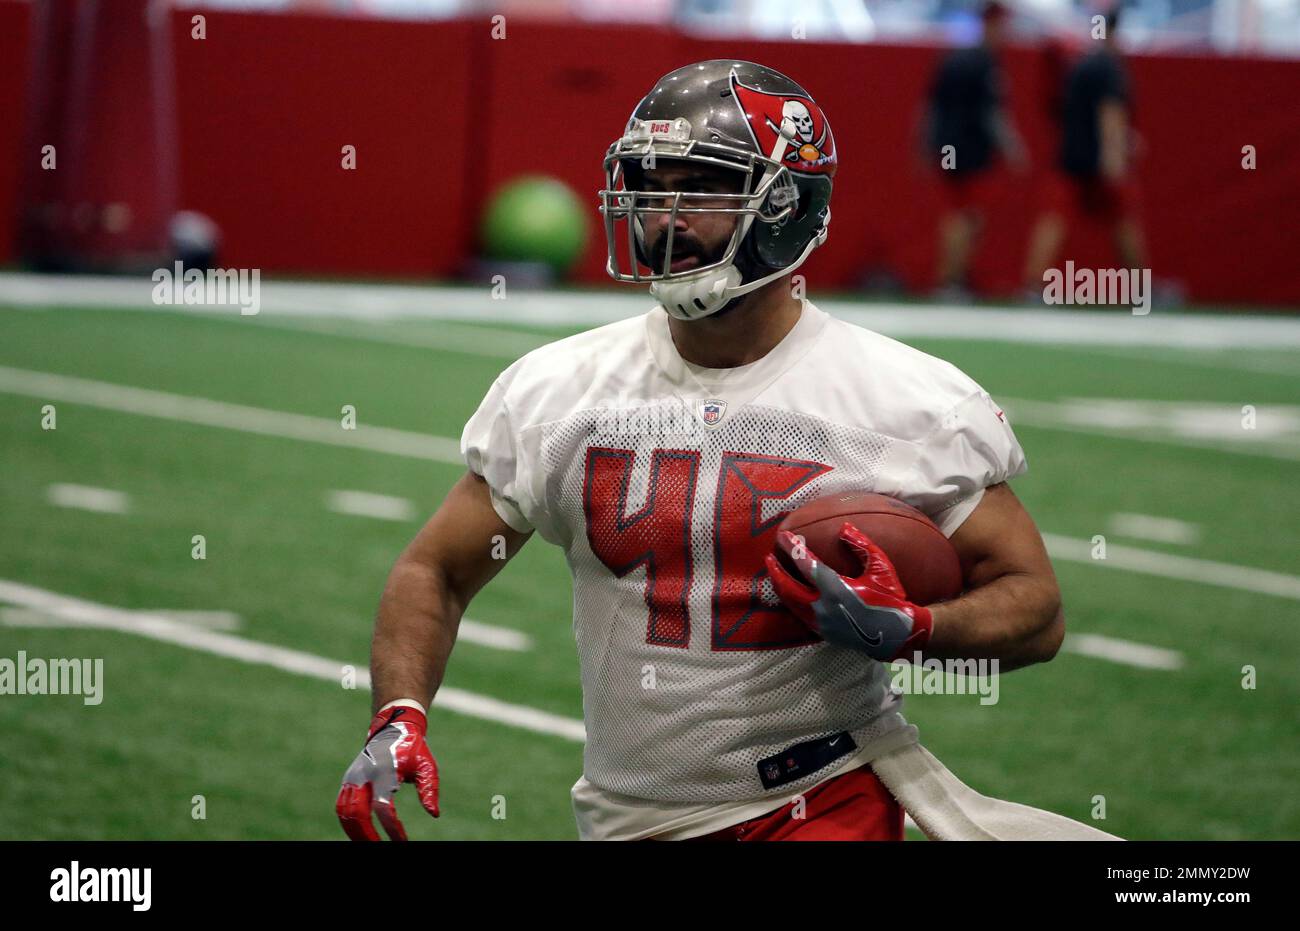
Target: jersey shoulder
{"x":886,"y":385}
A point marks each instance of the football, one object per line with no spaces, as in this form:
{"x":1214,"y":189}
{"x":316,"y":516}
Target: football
{"x":926,"y":562}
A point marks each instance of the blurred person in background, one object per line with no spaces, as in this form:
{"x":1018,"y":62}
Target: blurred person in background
{"x":1095,"y":179}
{"x":967,"y":112}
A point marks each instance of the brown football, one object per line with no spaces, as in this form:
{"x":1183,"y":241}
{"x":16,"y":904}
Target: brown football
{"x":926,"y":562}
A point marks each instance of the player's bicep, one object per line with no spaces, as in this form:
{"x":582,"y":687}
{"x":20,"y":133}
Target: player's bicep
{"x":466,"y":540}
{"x":1000,"y":538}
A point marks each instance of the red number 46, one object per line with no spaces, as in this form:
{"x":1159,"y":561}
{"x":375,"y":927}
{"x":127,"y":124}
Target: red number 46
{"x":665,"y":538}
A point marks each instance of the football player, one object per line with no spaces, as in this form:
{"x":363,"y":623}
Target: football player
{"x":661,"y":452}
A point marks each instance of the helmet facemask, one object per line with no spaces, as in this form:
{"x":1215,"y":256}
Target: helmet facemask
{"x":767,"y":195}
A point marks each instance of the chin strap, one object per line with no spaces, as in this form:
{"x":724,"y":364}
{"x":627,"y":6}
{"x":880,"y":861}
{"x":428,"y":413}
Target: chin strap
{"x":690,"y":298}
{"x":693,"y":298}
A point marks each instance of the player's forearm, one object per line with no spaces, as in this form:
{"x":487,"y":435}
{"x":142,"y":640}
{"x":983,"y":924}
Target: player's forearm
{"x":414,"y":632}
{"x":1114,"y":140}
{"x":1015,"y":619}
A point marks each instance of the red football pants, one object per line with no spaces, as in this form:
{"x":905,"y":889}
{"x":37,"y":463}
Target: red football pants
{"x":852,"y":806}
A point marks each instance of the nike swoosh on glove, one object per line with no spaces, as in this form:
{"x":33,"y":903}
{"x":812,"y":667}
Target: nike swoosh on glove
{"x":869,"y":612}
{"x":395,"y":752}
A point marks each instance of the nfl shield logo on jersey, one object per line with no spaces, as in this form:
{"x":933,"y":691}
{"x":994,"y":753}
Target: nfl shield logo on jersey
{"x":711,"y":410}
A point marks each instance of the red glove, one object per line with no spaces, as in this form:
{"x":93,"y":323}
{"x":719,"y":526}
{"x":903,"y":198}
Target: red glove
{"x":395,"y":752}
{"x":869,"y":612}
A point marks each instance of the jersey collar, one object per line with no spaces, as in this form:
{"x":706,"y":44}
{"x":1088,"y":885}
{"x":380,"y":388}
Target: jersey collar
{"x":736,"y":386}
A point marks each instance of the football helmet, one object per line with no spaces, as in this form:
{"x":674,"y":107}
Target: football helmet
{"x":734,"y":115}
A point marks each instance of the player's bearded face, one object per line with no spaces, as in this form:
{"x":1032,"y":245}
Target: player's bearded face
{"x":698,"y":238}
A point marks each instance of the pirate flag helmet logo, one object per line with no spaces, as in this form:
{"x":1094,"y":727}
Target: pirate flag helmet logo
{"x":797,"y":118}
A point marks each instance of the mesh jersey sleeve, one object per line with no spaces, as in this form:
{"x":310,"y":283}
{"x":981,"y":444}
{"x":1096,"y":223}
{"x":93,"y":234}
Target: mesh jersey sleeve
{"x":970,"y":449}
{"x":489,"y":445}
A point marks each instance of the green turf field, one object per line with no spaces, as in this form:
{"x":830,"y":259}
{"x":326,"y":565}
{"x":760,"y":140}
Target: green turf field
{"x":1183,"y":752}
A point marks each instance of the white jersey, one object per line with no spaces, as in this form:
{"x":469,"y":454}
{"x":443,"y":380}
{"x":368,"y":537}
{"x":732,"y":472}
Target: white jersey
{"x":664,"y":483}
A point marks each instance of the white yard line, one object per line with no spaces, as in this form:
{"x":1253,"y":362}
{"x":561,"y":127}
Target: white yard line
{"x":445,"y":336}
{"x":1232,"y":423}
{"x":599,"y":305}
{"x":1077,"y":417}
{"x":1169,"y":566}
{"x":1231,"y":361}
{"x":209,"y":620}
{"x":489,"y":635}
{"x":1149,"y":527}
{"x":88,"y":498}
{"x":368,"y":504}
{"x":1125,"y":652}
{"x":168,"y":630}
{"x":201,"y":411}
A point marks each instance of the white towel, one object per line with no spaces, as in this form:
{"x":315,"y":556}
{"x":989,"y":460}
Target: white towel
{"x":945,"y":808}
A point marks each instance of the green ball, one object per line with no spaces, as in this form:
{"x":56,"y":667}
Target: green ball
{"x":535,"y":219}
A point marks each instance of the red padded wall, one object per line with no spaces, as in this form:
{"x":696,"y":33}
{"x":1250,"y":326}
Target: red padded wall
{"x":441,"y":113}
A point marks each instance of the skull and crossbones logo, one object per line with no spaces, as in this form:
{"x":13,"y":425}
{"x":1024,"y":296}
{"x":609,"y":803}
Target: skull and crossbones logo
{"x":797,"y":126}
{"x":795,"y":112}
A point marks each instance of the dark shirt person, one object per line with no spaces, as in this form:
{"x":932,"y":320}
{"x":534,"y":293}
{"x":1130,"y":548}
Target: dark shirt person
{"x":966,"y":132}
{"x":1095,"y":178}
{"x":1095,"y":114}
